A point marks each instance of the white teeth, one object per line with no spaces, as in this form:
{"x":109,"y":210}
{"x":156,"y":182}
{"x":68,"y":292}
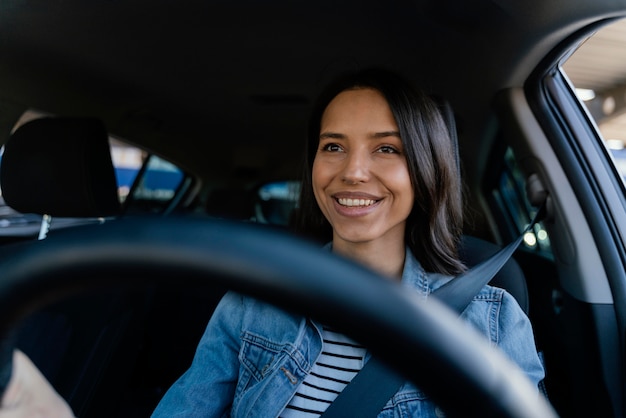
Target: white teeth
{"x":355,"y":202}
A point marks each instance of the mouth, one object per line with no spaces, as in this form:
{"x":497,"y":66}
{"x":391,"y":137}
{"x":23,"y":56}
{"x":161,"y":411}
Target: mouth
{"x":351,"y":203}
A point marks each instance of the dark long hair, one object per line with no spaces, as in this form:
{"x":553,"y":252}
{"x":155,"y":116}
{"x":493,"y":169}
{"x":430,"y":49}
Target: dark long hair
{"x":435,"y":223}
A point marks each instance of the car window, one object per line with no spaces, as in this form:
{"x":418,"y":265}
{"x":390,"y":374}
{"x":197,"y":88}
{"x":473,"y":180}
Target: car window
{"x":127,"y":161}
{"x":599,"y":84}
{"x":275,"y":202}
{"x":144,"y":176}
{"x":154,"y":187}
{"x":515,"y":212}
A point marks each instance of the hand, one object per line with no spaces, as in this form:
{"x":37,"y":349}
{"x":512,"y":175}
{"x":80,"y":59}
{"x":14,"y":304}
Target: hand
{"x":29,"y":394}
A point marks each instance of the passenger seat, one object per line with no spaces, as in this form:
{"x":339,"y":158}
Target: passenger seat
{"x":62,"y":168}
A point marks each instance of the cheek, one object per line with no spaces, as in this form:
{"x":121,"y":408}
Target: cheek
{"x":402,"y":185}
{"x":317,"y":181}
{"x":319,"y":175}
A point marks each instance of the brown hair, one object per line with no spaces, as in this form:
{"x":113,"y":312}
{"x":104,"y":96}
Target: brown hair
{"x":435,"y":223}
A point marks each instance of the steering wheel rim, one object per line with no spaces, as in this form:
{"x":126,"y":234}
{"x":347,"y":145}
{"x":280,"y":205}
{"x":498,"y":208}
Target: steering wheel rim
{"x":263,"y":263}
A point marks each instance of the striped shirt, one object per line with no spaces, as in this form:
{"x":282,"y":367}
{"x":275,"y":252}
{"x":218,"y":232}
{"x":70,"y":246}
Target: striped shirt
{"x":341,"y":359}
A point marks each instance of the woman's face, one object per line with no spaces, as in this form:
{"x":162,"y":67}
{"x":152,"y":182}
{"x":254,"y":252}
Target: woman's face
{"x":360,"y":176}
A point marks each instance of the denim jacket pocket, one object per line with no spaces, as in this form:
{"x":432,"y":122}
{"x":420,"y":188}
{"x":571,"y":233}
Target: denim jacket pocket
{"x":258,"y":355}
{"x":269,"y":375}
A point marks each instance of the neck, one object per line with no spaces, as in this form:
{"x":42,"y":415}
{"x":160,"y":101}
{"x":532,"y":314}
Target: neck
{"x":382,"y":257}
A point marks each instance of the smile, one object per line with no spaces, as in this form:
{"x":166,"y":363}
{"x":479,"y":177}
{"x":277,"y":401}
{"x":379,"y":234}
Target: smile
{"x":356,"y":202}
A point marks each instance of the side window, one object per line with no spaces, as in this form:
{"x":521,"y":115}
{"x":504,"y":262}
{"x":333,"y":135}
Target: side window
{"x":508,"y":194}
{"x":146,"y":182}
{"x":127,"y":161}
{"x":275,"y":202}
{"x":596,"y":70}
{"x":155,"y":186}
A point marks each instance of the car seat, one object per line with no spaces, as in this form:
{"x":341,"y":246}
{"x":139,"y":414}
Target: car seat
{"x":473,"y":250}
{"x":61,"y":167}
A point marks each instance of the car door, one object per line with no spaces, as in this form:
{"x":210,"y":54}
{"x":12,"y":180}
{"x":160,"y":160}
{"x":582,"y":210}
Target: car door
{"x":576,"y":263}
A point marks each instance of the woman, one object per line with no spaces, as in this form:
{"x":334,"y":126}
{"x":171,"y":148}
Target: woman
{"x":382,"y":186}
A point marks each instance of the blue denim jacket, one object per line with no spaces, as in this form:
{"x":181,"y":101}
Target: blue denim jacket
{"x":253,"y":356}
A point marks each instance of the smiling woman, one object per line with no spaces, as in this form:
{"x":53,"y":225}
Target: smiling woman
{"x":422,"y":167}
{"x":364,"y":181}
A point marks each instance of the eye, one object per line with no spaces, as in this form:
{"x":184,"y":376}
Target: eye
{"x":331,"y":147}
{"x":388,"y":149}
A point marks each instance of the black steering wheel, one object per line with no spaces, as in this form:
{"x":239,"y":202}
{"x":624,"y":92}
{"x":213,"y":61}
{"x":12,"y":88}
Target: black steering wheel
{"x":462,"y":373}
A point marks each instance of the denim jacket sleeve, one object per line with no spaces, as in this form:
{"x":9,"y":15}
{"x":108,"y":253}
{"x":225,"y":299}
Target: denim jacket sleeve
{"x":209,"y":389}
{"x":497,"y":315}
{"x":516,"y":339}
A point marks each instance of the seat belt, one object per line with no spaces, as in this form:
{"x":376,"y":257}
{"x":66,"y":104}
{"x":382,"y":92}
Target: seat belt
{"x":368,"y":392}
{"x":457,"y":294}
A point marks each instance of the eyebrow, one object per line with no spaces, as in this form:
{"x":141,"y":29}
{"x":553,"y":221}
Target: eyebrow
{"x":331,"y":135}
{"x":336,"y":135}
{"x":386,"y":134}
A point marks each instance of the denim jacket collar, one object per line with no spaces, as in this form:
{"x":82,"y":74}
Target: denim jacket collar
{"x":415,"y":277}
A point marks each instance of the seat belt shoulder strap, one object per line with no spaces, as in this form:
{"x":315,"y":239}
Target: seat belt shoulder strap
{"x":459,"y":292}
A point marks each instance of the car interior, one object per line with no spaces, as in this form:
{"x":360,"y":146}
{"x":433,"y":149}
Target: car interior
{"x":95,"y":340}
{"x":115,"y":113}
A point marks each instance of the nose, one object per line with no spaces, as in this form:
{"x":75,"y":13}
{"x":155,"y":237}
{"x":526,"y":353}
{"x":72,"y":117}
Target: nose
{"x":356,"y":168}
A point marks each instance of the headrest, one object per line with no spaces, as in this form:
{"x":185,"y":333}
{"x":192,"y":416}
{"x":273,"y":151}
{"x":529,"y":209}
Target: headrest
{"x":60,"y":167}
